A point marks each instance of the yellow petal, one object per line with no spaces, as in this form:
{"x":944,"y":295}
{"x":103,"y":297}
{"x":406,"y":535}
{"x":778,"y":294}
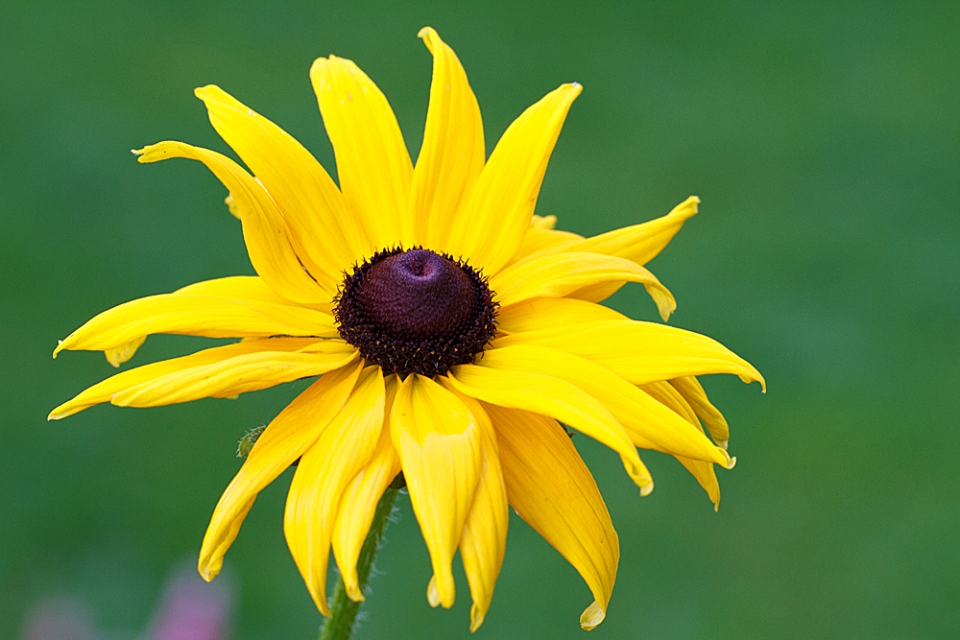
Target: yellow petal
{"x":493,"y":221}
{"x":553,"y":491}
{"x":343,"y":448}
{"x":484,"y":538}
{"x":648,"y":423}
{"x":372,"y":161}
{"x":530,"y":314}
{"x":360,"y":499}
{"x":564,"y":273}
{"x":543,"y":222}
{"x":692,"y":392}
{"x":284,"y":440}
{"x":116,"y":356}
{"x":639,"y":352}
{"x":556,"y":398}
{"x":326,"y":238}
{"x":220,"y":372}
{"x":264,"y":230}
{"x":638,"y":243}
{"x":453,"y":152}
{"x":196,"y":315}
{"x":704,"y":472}
{"x":540,"y":240}
{"x":438,"y":441}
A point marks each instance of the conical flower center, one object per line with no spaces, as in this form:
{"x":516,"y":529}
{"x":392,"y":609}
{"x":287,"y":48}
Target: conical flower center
{"x":416,"y":312}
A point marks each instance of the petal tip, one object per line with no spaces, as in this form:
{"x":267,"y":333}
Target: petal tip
{"x":433,"y":596}
{"x":645,"y":490}
{"x":731,"y":460}
{"x":207,"y":570}
{"x":202,"y":92}
{"x":476,"y":618}
{"x":354,"y":592}
{"x":592,"y":616}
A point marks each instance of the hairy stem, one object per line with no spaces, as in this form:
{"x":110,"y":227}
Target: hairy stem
{"x":339,"y":625}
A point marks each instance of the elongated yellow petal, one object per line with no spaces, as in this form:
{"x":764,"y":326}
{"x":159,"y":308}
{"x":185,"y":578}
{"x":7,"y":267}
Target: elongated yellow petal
{"x":541,"y":240}
{"x":639,"y":352}
{"x":360,"y":498}
{"x":553,"y":491}
{"x":640,"y":242}
{"x":647,"y":422}
{"x":453,"y":151}
{"x":264,"y":230}
{"x":342,"y":449}
{"x":529,"y":314}
{"x":372,"y":161}
{"x":196,"y":315}
{"x":556,"y":398}
{"x":484,"y":538}
{"x":704,"y":472}
{"x":563,"y":274}
{"x":693,"y":393}
{"x":438,"y":441}
{"x":493,"y":221}
{"x":326,"y":237}
{"x":284,"y":440}
{"x":220,"y":372}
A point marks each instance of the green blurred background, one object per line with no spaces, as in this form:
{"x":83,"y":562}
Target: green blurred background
{"x":824,"y":140}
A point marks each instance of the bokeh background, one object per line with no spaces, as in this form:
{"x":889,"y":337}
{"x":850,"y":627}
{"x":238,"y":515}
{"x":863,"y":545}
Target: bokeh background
{"x":824,"y":140}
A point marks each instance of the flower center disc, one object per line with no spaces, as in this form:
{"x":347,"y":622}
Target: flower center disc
{"x":416,"y":311}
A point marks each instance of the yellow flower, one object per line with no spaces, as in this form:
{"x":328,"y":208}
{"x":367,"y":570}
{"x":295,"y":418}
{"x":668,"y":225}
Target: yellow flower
{"x":452,"y":329}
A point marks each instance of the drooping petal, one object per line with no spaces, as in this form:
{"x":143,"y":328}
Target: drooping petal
{"x":553,"y":491}
{"x":264,"y":230}
{"x":529,"y":315}
{"x":360,"y":498}
{"x":647,"y":422}
{"x":703,"y":471}
{"x":692,"y":391}
{"x":343,"y":448}
{"x":484,"y":538}
{"x":284,"y":440}
{"x":493,"y":221}
{"x":639,"y":352}
{"x":196,"y":315}
{"x":326,"y":237}
{"x":556,"y":398}
{"x":563,"y":274}
{"x":438,"y":441}
{"x":453,"y":151}
{"x":220,"y":372}
{"x":372,"y":161}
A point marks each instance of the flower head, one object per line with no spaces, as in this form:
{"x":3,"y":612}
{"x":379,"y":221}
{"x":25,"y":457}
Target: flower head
{"x":453,"y":331}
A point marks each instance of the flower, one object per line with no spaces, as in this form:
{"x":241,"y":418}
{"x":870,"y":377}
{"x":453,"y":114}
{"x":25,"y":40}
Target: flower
{"x":454,"y":331}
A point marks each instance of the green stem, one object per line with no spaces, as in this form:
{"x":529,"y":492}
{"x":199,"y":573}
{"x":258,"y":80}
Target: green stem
{"x":343,"y":610}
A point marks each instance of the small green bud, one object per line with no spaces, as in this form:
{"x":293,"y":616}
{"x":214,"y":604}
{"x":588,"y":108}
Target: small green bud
{"x":248,"y":440}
